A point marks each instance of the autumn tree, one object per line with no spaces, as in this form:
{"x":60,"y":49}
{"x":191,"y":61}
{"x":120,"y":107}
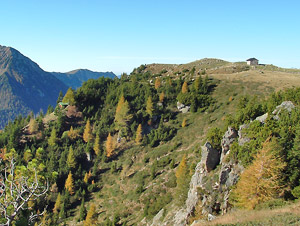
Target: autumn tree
{"x":57,"y":204}
{"x":157,"y":83}
{"x":52,"y":139}
{"x":149,"y":106}
{"x":183,"y":123}
{"x":139,"y":135}
{"x":71,"y":160}
{"x":122,"y":116}
{"x":87,"y":134}
{"x":182,"y":180}
{"x":184,"y":88}
{"x":260,"y":182}
{"x":91,"y":217}
{"x":86,"y":178}
{"x":69,"y":97}
{"x":96,"y":146}
{"x":110,"y":146}
{"x":69,"y":185}
{"x":72,"y":134}
{"x":161,"y":97}
{"x":33,"y":126}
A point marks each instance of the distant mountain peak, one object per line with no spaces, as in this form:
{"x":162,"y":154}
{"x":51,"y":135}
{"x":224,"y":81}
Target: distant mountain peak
{"x":24,"y":86}
{"x":76,"y":77}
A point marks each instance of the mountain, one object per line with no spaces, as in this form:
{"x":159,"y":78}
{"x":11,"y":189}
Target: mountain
{"x":24,"y":86}
{"x":75,"y":78}
{"x":170,"y":173}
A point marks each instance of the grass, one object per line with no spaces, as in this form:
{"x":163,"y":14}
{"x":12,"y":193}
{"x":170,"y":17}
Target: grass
{"x":286,"y":215}
{"x":120,"y":194}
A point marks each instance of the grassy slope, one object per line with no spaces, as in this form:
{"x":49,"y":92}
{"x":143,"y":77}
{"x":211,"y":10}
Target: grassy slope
{"x":118,"y":189}
{"x":286,"y":215}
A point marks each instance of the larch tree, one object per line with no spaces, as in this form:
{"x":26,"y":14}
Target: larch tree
{"x":69,"y":185}
{"x":52,"y":139}
{"x":72,"y":134}
{"x":182,"y":180}
{"x":149,"y":106}
{"x":122,"y":116}
{"x":261,"y":181}
{"x":57,"y":205}
{"x":87,"y":134}
{"x":184,"y":88}
{"x":161,"y":97}
{"x":91,"y":217}
{"x":86,"y":178}
{"x":110,"y":146}
{"x":157,"y":83}
{"x":183,"y":123}
{"x":96,"y":146}
{"x":33,"y":126}
{"x":69,"y":97}
{"x":139,"y":135}
{"x":71,"y":160}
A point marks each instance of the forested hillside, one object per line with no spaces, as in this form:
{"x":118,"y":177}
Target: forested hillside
{"x":24,"y":86}
{"x":125,"y":150}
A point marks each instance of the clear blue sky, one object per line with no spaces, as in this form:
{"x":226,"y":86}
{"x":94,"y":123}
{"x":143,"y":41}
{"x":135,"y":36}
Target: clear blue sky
{"x":62,"y":35}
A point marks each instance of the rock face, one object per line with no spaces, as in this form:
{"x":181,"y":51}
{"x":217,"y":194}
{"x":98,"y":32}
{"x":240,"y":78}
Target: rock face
{"x":210,"y":186}
{"x":211,"y":193}
{"x":210,"y":157}
{"x":157,"y":218}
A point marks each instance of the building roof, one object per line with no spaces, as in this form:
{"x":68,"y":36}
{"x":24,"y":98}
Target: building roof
{"x":63,"y":104}
{"x":251,"y":59}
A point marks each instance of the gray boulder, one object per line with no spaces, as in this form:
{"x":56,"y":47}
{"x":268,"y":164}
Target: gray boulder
{"x":210,"y":157}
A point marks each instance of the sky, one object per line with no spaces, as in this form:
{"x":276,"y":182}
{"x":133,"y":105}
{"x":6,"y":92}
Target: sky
{"x":118,"y":36}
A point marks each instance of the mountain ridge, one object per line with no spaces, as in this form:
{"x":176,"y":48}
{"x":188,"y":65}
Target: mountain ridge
{"x":25,"y":87}
{"x":75,"y":78}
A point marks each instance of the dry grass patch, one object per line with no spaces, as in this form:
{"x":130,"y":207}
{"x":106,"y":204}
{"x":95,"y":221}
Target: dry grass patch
{"x":255,"y":216}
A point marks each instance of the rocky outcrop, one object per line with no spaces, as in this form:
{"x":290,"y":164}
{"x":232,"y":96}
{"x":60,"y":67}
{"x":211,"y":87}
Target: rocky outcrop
{"x":157,"y":219}
{"x":262,"y":119}
{"x":211,"y":184}
{"x":206,"y":190}
{"x":210,"y":157}
{"x":228,"y":138}
{"x":183,"y":108}
{"x":242,"y":138}
{"x":285,"y":105}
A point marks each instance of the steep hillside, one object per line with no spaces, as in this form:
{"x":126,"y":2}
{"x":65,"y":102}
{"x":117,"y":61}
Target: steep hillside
{"x":24,"y":86}
{"x":75,"y":78}
{"x":129,"y":154}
